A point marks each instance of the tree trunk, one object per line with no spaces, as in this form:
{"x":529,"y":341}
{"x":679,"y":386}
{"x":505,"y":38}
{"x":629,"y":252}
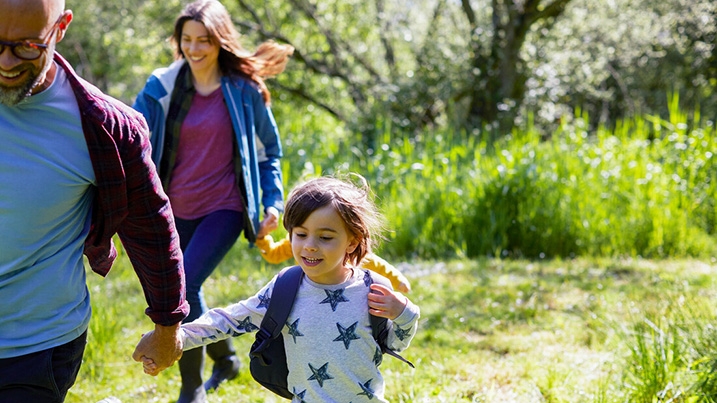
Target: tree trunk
{"x":498,"y":78}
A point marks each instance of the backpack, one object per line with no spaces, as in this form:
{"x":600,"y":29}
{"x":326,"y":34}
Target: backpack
{"x":268,"y":357}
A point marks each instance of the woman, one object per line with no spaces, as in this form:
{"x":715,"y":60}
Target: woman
{"x":215,"y":143}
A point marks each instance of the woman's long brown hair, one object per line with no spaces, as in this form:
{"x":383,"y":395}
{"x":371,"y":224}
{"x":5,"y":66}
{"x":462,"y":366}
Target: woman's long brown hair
{"x":268,"y":60}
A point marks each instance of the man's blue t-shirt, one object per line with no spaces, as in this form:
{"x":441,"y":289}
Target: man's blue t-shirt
{"x":46,"y":194}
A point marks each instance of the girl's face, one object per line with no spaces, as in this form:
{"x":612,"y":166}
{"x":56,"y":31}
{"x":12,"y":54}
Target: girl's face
{"x":201,"y":52}
{"x":320,"y":245}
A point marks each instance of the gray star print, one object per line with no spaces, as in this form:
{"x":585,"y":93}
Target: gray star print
{"x":320,"y":375}
{"x":334,"y":297}
{"x":264,"y":300}
{"x":401,"y":334}
{"x":377,"y":357}
{"x":366,"y":387}
{"x":300,"y":395}
{"x":294,"y":329}
{"x":346,"y":334}
{"x":367,"y":280}
{"x":246,"y":325}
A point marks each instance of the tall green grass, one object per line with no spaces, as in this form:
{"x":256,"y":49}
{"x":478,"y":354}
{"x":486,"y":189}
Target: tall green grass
{"x":646,"y":188}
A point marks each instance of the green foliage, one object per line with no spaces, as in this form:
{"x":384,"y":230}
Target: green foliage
{"x":671,"y":350}
{"x":643,"y":186}
{"x":419,"y":65}
{"x":655,"y":358}
{"x":646,"y":188}
{"x":617,"y":59}
{"x":631,"y":191}
{"x":116,"y":45}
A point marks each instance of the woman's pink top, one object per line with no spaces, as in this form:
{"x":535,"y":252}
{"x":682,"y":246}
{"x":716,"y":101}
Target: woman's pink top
{"x":203,"y":178}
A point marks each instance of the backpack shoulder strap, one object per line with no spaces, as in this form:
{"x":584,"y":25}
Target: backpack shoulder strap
{"x":379,"y":328}
{"x":282,"y":300}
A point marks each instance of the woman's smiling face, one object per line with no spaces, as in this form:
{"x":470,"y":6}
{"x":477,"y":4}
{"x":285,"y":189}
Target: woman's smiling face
{"x":198,"y":47}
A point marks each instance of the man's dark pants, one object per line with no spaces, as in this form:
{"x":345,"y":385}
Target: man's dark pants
{"x":42,"y":377}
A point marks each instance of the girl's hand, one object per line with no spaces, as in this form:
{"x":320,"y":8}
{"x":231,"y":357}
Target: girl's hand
{"x":385,"y":303}
{"x":269,"y":223}
{"x":149,"y":366}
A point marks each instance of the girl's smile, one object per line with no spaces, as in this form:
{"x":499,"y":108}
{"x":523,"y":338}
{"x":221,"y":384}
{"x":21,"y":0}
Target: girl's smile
{"x":321,"y":245}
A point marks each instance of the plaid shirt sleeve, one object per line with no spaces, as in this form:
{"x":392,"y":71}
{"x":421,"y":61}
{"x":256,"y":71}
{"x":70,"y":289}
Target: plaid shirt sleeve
{"x":149,"y":236}
{"x":130,"y":201}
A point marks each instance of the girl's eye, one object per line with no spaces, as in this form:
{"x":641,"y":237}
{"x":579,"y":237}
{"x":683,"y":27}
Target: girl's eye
{"x":326,"y":238}
{"x":300,"y":235}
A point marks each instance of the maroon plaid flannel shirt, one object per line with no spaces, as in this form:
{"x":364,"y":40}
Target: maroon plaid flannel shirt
{"x":129,"y":201}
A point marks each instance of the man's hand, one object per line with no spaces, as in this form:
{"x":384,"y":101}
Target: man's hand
{"x":160,"y":347}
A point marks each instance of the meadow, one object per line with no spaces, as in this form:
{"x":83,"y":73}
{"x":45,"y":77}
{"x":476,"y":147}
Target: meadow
{"x":582,"y":330}
{"x":577,"y":266}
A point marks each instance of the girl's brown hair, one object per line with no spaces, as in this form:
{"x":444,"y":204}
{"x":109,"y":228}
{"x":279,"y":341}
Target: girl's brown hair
{"x":353,"y":203}
{"x":269,"y":59}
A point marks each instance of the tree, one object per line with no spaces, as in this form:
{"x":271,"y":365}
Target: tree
{"x":496,"y":87}
{"x":391,"y":56}
{"x":116,"y":44}
{"x":479,"y":64}
{"x":623,"y":58}
{"x":345,"y":51}
{"x":413,"y":65}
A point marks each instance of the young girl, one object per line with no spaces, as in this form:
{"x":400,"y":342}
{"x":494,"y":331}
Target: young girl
{"x":278,"y":251}
{"x":329,"y":346}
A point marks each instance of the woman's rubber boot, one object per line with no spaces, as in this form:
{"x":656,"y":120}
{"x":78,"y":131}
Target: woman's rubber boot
{"x":190,"y":368}
{"x":226,"y":363}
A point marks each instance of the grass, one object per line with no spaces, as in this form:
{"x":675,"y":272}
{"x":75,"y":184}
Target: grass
{"x":573,"y":268}
{"x":646,"y":188}
{"x":584,"y":330}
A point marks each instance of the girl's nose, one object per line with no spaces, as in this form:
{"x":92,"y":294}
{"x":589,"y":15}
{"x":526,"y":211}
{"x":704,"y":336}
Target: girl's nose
{"x":310,"y":245}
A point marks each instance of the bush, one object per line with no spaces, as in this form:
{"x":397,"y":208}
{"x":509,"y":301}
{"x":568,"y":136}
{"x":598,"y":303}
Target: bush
{"x":646,"y":188}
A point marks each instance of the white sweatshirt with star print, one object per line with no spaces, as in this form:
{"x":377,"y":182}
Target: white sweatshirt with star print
{"x":330,"y":350}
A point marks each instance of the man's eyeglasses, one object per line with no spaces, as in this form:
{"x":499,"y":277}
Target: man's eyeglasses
{"x":27,"y":50}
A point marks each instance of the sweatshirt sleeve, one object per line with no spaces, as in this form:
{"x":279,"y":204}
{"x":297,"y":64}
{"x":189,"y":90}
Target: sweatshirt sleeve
{"x":274,"y":252}
{"x":404,"y":327}
{"x":222,"y":323}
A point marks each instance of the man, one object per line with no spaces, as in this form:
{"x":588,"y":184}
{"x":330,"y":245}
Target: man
{"x":75,"y":168}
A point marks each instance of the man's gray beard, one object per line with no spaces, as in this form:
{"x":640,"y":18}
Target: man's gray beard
{"x":13,"y":96}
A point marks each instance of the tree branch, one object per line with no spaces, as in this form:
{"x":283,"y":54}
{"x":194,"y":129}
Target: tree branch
{"x":314,"y":65}
{"x":383,"y":28}
{"x":301,"y":94}
{"x":335,"y":43}
{"x":553,"y":9}
{"x":251,"y":11}
{"x":470,"y":13}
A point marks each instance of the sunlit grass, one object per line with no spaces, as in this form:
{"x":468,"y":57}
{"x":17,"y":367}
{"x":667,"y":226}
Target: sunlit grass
{"x":585,"y":318}
{"x":586,"y":330}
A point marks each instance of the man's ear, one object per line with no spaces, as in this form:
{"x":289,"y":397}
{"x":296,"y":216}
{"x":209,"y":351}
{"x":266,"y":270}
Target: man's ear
{"x":64,"y":23}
